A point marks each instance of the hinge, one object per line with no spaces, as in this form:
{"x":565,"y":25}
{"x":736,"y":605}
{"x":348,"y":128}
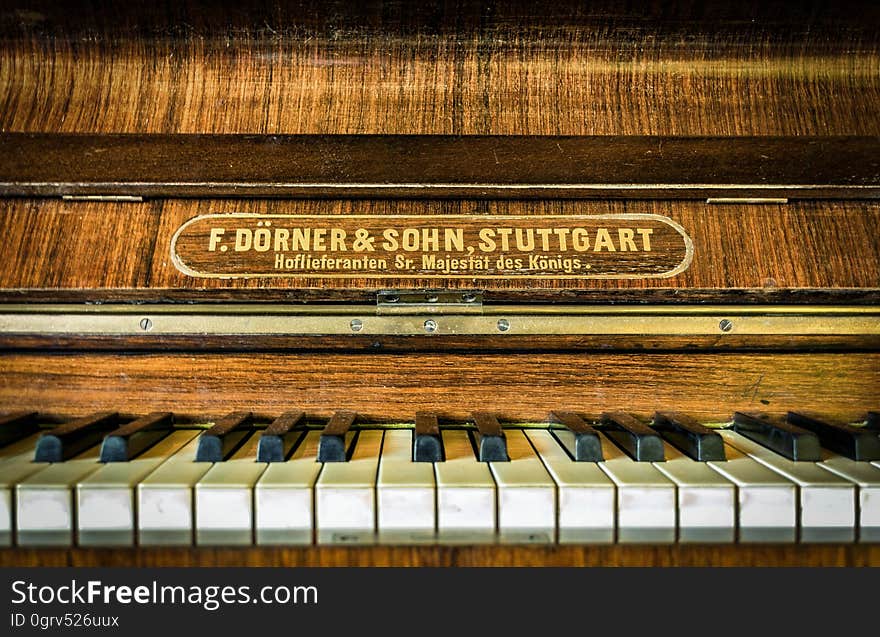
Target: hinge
{"x":429,"y":302}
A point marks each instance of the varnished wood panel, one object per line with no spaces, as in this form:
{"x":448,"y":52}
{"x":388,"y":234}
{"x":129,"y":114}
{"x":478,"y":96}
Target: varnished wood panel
{"x":95,"y":250}
{"x":615,"y":555}
{"x":454,"y":67}
{"x":389,"y":387}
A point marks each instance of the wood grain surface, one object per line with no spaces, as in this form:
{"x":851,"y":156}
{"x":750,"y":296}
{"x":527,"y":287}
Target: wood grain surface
{"x":613,"y":555}
{"x":392,"y":387}
{"x":91,"y":251}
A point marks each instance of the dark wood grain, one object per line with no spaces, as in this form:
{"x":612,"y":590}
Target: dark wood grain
{"x":598,"y":555}
{"x":392,"y":387}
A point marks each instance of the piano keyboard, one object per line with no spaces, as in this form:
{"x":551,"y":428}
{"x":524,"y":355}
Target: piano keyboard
{"x":151,"y":483}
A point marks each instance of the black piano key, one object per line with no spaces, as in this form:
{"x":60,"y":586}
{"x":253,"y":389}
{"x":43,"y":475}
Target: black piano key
{"x":873,"y":421}
{"x":587,"y":446}
{"x":692,"y":438}
{"x":219,"y":441}
{"x":17,"y":426}
{"x":490,"y":440}
{"x":65,"y":441}
{"x":278,"y":439}
{"x":853,"y":442}
{"x":123,"y":444}
{"x":777,"y":435}
{"x":641,"y":442}
{"x":331,"y":445}
{"x":427,"y":446}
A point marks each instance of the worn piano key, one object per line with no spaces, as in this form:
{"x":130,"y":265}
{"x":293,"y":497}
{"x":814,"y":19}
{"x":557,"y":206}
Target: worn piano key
{"x":14,"y":467}
{"x":278,"y":439}
{"x":106,"y":499}
{"x":645,"y":497}
{"x":132,"y":439}
{"x":165,"y":499}
{"x":66,"y":441}
{"x":16,"y":426}
{"x":333,"y":445}
{"x":427,"y":446}
{"x":642,"y":443}
{"x":585,"y":495}
{"x":706,"y":500}
{"x":696,"y":441}
{"x":866,"y":477}
{"x":489,"y":437}
{"x":45,"y":503}
{"x":855,"y":443}
{"x":224,"y":498}
{"x":466,"y":493}
{"x":405,"y":493}
{"x":526,"y":494}
{"x":345,"y":494}
{"x":777,"y":435}
{"x":223,"y":437}
{"x":583,"y":444}
{"x":283,"y":496}
{"x":766,"y":501}
{"x":826,"y":501}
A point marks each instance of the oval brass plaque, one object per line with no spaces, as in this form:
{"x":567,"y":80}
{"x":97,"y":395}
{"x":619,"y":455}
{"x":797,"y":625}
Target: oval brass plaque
{"x":614,"y":246}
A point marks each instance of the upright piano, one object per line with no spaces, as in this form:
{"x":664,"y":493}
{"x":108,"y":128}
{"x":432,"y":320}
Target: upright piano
{"x":439,"y":283}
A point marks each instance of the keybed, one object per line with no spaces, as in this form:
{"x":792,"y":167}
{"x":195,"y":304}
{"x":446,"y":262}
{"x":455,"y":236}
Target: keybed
{"x":569,"y":482}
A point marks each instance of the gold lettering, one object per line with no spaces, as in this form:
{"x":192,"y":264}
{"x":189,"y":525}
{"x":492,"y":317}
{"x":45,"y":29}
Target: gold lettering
{"x":337,"y":240}
{"x":319,"y":240}
{"x":522,"y":244}
{"x":243,"y":239}
{"x":301,"y":238}
{"x":214,"y":241}
{"x":580,"y":240}
{"x":430,"y":239}
{"x":544,"y":233}
{"x":603,"y":240}
{"x":281,"y":237}
{"x":410,"y":239}
{"x":453,"y":239}
{"x":646,"y":237}
{"x":487,"y":242}
{"x":626,"y":240}
{"x":390,"y":235}
{"x":505,"y":233}
{"x":262,"y":239}
{"x":562,"y":233}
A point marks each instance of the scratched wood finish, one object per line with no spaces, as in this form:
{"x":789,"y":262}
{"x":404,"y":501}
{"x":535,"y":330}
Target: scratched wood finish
{"x":614,"y":555}
{"x":451,"y":67}
{"x":393,"y":387}
{"x":800,"y":252}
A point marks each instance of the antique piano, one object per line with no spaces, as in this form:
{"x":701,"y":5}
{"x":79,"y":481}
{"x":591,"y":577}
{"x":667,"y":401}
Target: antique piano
{"x":439,"y":283}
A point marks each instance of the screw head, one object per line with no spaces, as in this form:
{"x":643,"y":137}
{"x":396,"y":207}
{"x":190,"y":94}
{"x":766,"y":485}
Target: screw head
{"x":430,"y":325}
{"x":392,"y":298}
{"x":432,"y":298}
{"x":468,"y":297}
{"x":146,"y":324}
{"x":725,"y":325}
{"x":356,"y":325}
{"x":503,"y":325}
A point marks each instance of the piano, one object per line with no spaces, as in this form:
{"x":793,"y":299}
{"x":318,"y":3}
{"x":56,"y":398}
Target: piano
{"x":439,"y":284}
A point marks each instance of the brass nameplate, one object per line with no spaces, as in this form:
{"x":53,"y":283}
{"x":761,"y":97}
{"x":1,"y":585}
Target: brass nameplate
{"x":613,"y":246}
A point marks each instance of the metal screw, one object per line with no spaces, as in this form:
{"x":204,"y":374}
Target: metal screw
{"x":430,"y":325}
{"x":725,"y":325}
{"x":393,"y":298}
{"x":146,"y":324}
{"x":432,"y":298}
{"x":468,"y":297}
{"x":503,"y":325}
{"x":356,"y":325}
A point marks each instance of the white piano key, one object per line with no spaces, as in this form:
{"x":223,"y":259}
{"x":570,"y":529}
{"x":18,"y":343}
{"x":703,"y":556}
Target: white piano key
{"x":827,"y":502}
{"x":405,"y":493}
{"x":20,"y":450}
{"x":645,"y":497}
{"x":45,"y":504}
{"x":706,"y":500}
{"x":11,"y":473}
{"x":284,"y":513}
{"x":345,"y":495}
{"x":766,"y":501}
{"x":586,"y":496}
{"x":165,"y":499}
{"x":867,"y":477}
{"x":225,"y":498}
{"x":106,"y":511}
{"x":526,"y":494}
{"x":466,"y":494}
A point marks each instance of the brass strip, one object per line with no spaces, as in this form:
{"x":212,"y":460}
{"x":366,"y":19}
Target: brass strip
{"x":719,"y":321}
